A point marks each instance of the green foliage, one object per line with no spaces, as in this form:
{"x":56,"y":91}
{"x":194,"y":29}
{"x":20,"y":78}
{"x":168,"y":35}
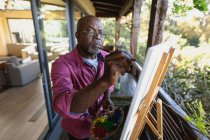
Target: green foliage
{"x":195,"y":30}
{"x":200,"y":5}
{"x":141,"y":53}
{"x":189,"y":74}
{"x":125,"y":34}
{"x":182,"y":6}
{"x":188,"y":79}
{"x":109,"y":29}
{"x":199,"y":117}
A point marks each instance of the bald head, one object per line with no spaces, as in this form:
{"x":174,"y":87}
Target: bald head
{"x":84,"y":20}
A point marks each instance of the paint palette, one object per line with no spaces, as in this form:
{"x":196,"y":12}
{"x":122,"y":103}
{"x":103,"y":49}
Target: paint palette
{"x":106,"y":124}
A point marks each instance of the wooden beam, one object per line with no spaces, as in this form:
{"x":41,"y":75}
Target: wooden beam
{"x":105,"y":14}
{"x":104,"y":6}
{"x":135,"y":27}
{"x":113,"y":2}
{"x":17,"y":14}
{"x":54,"y":2}
{"x":85,"y":6}
{"x":107,"y":4}
{"x":125,"y":8}
{"x":157,"y":18}
{"x":107,"y":9}
{"x":117,"y":31}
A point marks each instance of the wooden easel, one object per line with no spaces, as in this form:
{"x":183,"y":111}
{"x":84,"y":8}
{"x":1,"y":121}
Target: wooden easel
{"x":143,"y":113}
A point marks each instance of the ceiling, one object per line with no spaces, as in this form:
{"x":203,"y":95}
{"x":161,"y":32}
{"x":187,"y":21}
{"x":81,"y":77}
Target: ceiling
{"x":101,"y":8}
{"x":112,"y":8}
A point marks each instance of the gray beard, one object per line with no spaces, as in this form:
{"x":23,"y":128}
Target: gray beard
{"x":91,"y":51}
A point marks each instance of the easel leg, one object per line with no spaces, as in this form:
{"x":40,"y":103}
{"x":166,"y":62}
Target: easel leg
{"x":160,"y":118}
{"x":156,"y":125}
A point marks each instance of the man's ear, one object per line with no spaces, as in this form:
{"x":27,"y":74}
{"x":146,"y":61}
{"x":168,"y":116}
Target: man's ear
{"x":77,"y":35}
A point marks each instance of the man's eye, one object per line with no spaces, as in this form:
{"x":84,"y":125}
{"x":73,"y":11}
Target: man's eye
{"x":90,"y":31}
{"x":101,"y":33}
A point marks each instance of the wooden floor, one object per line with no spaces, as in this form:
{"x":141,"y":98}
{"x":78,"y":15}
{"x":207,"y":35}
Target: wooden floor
{"x":22,"y":112}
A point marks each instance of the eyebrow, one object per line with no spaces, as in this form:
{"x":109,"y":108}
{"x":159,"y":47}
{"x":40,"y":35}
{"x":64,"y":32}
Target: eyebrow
{"x":90,"y":27}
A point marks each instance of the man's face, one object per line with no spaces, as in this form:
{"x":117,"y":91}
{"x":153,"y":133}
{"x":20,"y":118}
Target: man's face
{"x":90,"y":37}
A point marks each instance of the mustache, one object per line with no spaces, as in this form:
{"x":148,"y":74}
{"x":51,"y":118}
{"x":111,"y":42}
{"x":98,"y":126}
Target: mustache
{"x":97,"y":42}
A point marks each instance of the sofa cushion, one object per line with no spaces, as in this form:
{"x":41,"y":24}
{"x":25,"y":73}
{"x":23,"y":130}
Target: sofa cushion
{"x":14,"y":59}
{"x":26,"y":60}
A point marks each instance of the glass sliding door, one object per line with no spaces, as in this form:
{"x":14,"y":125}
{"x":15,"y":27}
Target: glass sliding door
{"x":41,"y":47}
{"x":54,"y":35}
{"x":52,"y":41}
{"x":23,"y":112}
{"x":55,"y":30}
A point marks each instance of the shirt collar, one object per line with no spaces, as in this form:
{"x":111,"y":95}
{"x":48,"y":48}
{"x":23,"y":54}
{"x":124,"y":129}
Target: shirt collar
{"x":79,"y":57}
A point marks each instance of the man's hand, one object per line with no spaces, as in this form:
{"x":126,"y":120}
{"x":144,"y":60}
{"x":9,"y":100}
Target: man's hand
{"x":116,"y":63}
{"x":107,"y":104}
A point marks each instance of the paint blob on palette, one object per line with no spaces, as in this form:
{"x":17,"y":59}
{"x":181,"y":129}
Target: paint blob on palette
{"x":106,"y":124}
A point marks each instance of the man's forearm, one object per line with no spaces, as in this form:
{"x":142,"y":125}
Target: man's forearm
{"x":107,"y":94}
{"x":87,"y":96}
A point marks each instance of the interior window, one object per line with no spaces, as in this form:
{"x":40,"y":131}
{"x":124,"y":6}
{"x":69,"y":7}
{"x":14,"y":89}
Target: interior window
{"x":21,"y":30}
{"x":15,"y":5}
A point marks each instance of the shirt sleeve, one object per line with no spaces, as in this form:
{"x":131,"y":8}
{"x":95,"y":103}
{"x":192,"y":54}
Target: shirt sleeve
{"x":111,"y":88}
{"x":63,"y":91}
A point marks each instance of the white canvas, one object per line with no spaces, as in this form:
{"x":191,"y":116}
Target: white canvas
{"x":148,"y":72}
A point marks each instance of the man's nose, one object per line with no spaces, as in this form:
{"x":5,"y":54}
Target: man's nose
{"x":97,"y":35}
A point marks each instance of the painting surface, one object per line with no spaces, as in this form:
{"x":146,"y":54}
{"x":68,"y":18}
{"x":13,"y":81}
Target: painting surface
{"x":150,"y":66}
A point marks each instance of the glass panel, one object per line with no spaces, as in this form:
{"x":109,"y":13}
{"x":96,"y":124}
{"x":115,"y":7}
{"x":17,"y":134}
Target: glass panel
{"x":53,"y":39}
{"x":55,"y":30}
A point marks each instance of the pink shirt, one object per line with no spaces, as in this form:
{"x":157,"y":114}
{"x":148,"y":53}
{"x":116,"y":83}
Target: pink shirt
{"x":70,"y":74}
